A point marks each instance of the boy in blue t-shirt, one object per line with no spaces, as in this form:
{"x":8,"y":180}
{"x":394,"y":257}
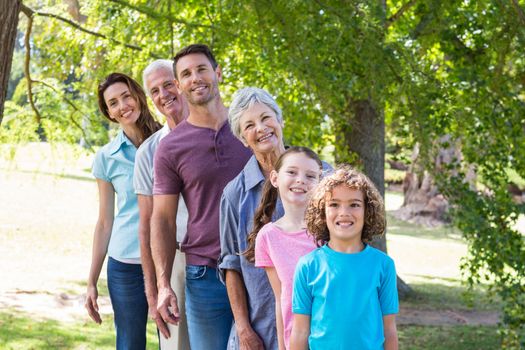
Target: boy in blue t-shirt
{"x":345,"y":294}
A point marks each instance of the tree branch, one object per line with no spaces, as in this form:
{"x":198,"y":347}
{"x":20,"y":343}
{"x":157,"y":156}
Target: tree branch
{"x":30,"y":13}
{"x":160,"y":16}
{"x":519,"y":11}
{"x":27,"y":72}
{"x":69,"y":102}
{"x":399,"y":13}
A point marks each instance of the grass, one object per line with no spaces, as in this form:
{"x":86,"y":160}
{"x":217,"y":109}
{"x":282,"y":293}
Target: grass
{"x":22,"y":331}
{"x":448,"y":294}
{"x":448,"y":338}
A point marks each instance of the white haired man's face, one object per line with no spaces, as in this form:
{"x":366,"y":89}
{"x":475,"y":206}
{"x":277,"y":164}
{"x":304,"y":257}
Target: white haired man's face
{"x":164,"y":94}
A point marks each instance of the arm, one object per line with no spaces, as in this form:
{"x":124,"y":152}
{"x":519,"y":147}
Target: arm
{"x":389,"y":326}
{"x":150,"y":281}
{"x":248,"y":339}
{"x":230,"y":267}
{"x":106,"y":211}
{"x":300,"y":332}
{"x":163,"y":247}
{"x":276,"y":287}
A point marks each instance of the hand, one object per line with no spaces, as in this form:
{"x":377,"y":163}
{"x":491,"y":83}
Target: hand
{"x":155,"y":316}
{"x":167,"y":305}
{"x":91,"y":304}
{"x":249,"y":340}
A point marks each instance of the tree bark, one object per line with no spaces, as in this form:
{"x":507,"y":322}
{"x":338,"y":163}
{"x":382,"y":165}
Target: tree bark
{"x":9,"y":10}
{"x":423,"y":204}
{"x":366,"y":137}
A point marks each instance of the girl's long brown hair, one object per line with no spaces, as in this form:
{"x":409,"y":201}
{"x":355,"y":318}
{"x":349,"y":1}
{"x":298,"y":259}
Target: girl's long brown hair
{"x":266,"y":208}
{"x":146,"y":124}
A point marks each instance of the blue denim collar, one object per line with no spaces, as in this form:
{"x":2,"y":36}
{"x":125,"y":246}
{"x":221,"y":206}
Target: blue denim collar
{"x":253,"y":175}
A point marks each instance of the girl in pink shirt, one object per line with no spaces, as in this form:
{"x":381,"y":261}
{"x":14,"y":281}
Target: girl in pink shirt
{"x":277,"y":246}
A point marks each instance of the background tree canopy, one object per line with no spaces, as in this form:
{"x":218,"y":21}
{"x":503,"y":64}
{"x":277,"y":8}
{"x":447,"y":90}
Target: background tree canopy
{"x":438,"y":74}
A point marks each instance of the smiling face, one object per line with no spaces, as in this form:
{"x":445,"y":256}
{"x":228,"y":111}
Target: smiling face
{"x":260,"y":129}
{"x":345,"y":215}
{"x":197,"y":80}
{"x":121,"y":104}
{"x":295,"y":178}
{"x":163,"y":92}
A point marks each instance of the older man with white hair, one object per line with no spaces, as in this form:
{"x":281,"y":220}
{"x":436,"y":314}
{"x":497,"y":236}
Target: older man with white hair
{"x":159,"y":84}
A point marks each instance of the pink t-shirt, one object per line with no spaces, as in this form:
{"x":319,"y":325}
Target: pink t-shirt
{"x":282,"y":250}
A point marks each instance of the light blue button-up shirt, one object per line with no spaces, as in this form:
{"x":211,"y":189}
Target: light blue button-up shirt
{"x":114,"y":163}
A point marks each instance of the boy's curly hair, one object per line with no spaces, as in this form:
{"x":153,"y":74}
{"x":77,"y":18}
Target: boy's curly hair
{"x":375,"y":219}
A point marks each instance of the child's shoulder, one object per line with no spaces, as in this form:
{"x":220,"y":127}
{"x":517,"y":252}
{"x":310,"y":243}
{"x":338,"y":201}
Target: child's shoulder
{"x":267,"y":231}
{"x":379,"y":255}
{"x":314,"y":256}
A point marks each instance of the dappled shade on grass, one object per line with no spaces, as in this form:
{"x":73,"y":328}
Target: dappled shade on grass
{"x":22,"y":331}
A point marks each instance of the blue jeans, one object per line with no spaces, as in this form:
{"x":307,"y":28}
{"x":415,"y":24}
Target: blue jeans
{"x":208,"y":309}
{"x":126,"y":290}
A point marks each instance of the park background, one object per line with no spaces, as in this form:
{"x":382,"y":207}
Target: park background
{"x":426,"y":97}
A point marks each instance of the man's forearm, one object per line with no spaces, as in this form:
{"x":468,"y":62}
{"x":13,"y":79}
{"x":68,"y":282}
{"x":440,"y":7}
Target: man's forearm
{"x":150,"y":280}
{"x":163,"y":246}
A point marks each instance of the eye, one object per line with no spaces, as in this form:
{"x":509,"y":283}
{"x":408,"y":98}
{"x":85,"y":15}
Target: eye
{"x":168,"y":85}
{"x":291,"y":172}
{"x":311,"y":177}
{"x":333,"y":205}
{"x":154,"y":91}
{"x":248,"y":126}
{"x":112,"y":103}
{"x":355,"y":205}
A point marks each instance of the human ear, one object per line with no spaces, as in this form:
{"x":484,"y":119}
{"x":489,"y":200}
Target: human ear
{"x":218,"y":71}
{"x":273,"y":178}
{"x":177,"y":85}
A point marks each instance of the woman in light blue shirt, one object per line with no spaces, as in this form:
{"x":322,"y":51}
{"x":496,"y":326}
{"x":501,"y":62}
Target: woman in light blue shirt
{"x":122,"y":101}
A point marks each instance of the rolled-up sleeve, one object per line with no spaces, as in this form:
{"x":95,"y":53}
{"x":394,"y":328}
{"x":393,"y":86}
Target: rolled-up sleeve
{"x":229,"y":223}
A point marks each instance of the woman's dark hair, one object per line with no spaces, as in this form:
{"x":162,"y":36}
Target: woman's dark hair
{"x":146,"y":124}
{"x":375,"y":218}
{"x":266,"y":208}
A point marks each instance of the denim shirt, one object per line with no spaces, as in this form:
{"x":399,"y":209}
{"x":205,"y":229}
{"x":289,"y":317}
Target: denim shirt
{"x":239,"y":201}
{"x":114,"y":163}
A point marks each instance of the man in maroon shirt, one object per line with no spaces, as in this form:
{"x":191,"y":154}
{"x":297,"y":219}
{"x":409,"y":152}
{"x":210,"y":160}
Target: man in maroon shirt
{"x":197,"y":159}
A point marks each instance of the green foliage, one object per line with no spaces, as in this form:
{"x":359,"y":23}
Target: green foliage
{"x":438,"y":68}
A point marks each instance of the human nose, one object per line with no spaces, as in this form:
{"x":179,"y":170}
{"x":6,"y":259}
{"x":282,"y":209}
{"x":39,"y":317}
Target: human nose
{"x":260,"y":126}
{"x":195,"y":76}
{"x":301,"y":178}
{"x":163,"y":92}
{"x":345,"y":210}
{"x":122,"y":104}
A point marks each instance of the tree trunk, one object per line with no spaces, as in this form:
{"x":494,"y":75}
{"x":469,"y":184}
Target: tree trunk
{"x":366,"y":137}
{"x":423,"y":204}
{"x":9,"y":10}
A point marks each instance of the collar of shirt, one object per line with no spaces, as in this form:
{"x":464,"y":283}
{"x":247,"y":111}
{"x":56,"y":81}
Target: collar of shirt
{"x":118,"y":141}
{"x":252,"y":174}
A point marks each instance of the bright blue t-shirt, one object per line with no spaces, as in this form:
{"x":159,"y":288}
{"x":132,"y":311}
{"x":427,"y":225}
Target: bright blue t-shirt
{"x":114,"y":163}
{"x":346,"y":296}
